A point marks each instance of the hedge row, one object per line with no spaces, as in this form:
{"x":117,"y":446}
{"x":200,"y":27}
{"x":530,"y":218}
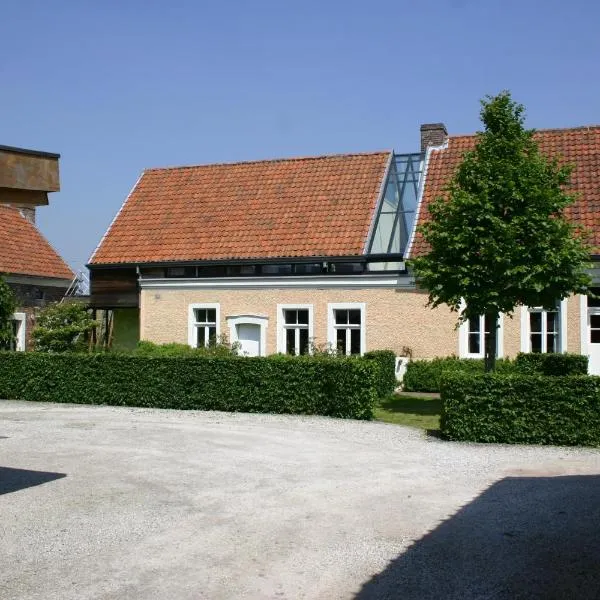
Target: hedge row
{"x":344,"y":387}
{"x":386,"y":359}
{"x":552,"y":364}
{"x":426,"y":375}
{"x":521,"y":409}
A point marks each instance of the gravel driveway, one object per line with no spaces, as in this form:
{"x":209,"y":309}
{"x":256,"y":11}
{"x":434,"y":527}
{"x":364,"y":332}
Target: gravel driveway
{"x":115,"y":503}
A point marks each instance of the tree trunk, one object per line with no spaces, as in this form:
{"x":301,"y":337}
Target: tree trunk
{"x":491,"y":342}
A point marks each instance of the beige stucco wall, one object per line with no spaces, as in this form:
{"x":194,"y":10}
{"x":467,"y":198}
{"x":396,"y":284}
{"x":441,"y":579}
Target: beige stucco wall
{"x":395,"y":318}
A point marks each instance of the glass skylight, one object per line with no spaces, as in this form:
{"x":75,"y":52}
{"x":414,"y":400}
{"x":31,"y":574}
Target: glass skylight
{"x":396,"y":214}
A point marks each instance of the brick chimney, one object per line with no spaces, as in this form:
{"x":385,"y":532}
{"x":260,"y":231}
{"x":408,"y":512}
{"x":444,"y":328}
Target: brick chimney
{"x":433,"y":134}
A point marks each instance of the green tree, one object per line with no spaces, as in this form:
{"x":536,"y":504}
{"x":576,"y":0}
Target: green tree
{"x":7,"y":308}
{"x":500,"y":238}
{"x":62,"y":327}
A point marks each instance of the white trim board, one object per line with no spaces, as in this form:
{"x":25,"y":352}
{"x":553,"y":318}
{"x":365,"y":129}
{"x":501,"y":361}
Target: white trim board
{"x":299,"y":281}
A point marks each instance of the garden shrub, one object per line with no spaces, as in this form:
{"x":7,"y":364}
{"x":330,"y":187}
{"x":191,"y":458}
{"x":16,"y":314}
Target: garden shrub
{"x":386,"y":359}
{"x":552,"y":364}
{"x":62,"y":327}
{"x":521,"y":409}
{"x":218,"y":347}
{"x":425,"y":375}
{"x":341,"y":387}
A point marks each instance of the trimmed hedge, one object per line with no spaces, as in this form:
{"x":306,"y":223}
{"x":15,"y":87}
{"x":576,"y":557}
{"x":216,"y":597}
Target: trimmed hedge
{"x":426,"y":375}
{"x":341,"y":387}
{"x":386,"y":359}
{"x":521,"y":409}
{"x":552,"y":364}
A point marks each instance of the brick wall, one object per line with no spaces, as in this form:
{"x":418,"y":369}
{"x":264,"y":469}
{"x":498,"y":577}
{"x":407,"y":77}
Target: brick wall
{"x":394,"y":318}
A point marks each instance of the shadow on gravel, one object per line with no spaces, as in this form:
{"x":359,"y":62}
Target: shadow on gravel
{"x":13,"y":480}
{"x":529,"y":537}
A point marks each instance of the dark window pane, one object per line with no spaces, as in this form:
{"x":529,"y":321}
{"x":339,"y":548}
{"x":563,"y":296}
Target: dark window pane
{"x":341,"y":340}
{"x":551,"y":342}
{"x":474,"y":343}
{"x":355,"y":341}
{"x":290,"y":341}
{"x":595,"y":336}
{"x":212,"y":271}
{"x":303,"y":341}
{"x":277,"y":269}
{"x":536,"y":342}
{"x":201,"y":315}
{"x":348,"y":267}
{"x":535,"y":322}
{"x":201,"y":339}
{"x":303,"y":317}
{"x":212,"y":315}
{"x":551,"y":321}
{"x":290,"y":317}
{"x":474,"y":324}
{"x":594,"y":301}
{"x":309,"y":269}
{"x":212,"y":335}
{"x":354,"y":316}
{"x":341,"y":317}
{"x":595,"y":321}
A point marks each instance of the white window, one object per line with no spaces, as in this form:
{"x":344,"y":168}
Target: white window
{"x":19,"y":330}
{"x":543,"y":330}
{"x":347,"y":328}
{"x":473,"y":334}
{"x":294,"y":328}
{"x":203,"y":324}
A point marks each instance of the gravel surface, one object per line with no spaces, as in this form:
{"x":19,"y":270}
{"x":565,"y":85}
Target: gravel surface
{"x":105,"y":502}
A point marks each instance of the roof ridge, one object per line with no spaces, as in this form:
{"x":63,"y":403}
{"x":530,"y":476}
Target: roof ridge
{"x":271,"y":160}
{"x":541,"y":129}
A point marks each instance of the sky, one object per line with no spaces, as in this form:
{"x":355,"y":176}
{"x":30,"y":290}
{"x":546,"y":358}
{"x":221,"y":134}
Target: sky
{"x":119,"y":86}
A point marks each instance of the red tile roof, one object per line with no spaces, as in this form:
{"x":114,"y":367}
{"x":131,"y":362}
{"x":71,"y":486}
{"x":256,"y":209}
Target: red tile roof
{"x":578,"y":146}
{"x":319,"y":206}
{"x":25,"y":251}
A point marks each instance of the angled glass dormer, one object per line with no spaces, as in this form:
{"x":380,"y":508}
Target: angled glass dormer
{"x":396,"y":214}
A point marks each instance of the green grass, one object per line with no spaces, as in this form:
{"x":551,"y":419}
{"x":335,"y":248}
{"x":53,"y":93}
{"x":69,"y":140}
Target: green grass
{"x":415,"y":412}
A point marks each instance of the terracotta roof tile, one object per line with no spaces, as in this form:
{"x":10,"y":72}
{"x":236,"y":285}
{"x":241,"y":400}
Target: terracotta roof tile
{"x":25,"y":251}
{"x":578,"y":146}
{"x":319,"y":206}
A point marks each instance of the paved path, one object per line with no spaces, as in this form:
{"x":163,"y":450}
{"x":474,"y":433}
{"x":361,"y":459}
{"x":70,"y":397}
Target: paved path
{"x":117,"y":503}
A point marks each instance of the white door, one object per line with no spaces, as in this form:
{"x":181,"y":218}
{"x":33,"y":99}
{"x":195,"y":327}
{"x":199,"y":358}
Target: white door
{"x":594,"y":340}
{"x":248,"y":336}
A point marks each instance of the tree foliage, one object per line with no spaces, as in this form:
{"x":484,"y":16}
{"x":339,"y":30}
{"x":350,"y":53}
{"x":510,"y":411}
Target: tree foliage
{"x":500,"y":237}
{"x":7,"y":308}
{"x":62,"y":328}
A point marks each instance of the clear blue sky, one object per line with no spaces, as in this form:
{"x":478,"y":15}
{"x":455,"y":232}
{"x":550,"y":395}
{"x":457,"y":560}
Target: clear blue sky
{"x":119,"y":86}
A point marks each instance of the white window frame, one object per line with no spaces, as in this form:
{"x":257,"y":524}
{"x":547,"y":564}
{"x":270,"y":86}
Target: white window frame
{"x":260,"y":320}
{"x":463,"y":339}
{"x":281,"y":326}
{"x":192,"y":323}
{"x":526,"y":326}
{"x":21,"y":332}
{"x":332,"y":328}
